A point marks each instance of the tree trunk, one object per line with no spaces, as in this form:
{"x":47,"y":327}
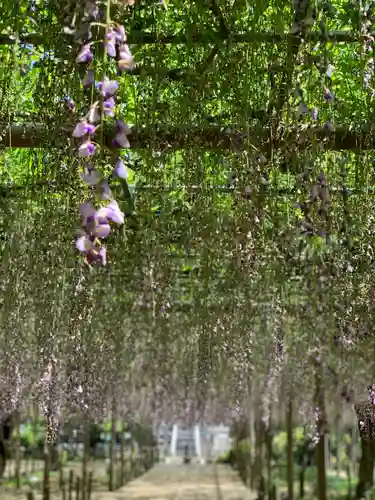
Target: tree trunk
{"x":259,"y":450}
{"x":321,"y":466}
{"x":289,"y":424}
{"x":35,"y":432}
{"x":112,"y":448}
{"x":321,"y":428}
{"x":349,"y":479}
{"x":366,"y":467}
{"x":47,"y":468}
{"x":17,"y":449}
{"x":366,"y":426}
{"x":86,"y":456}
{"x":252,"y":447}
{"x":122,"y":452}
{"x":249,"y":480}
{"x":302,"y":482}
{"x":269,"y":442}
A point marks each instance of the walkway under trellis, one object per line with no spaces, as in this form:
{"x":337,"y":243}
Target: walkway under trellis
{"x":183,"y":482}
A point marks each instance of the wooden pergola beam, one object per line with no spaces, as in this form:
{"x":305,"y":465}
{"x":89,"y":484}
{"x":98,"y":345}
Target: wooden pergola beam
{"x":163,"y":138}
{"x":60,"y":185}
{"x":138,"y":37}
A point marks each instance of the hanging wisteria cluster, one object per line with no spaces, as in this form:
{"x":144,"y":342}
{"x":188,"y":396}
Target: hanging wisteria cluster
{"x":96,"y":222}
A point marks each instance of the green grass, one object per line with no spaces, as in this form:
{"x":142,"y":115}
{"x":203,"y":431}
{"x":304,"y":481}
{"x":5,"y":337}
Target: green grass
{"x":337,"y":485}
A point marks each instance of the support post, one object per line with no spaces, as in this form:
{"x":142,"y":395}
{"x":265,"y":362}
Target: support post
{"x":173,"y":449}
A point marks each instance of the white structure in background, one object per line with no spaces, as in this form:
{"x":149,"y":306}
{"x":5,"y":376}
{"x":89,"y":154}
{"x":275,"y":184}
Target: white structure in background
{"x":173,"y":451}
{"x":199,"y":443}
{"x":198,"y":447}
{"x":219,"y":441}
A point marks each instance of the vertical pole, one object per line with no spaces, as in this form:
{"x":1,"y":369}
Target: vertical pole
{"x":198,"y":449}
{"x":174,"y":440}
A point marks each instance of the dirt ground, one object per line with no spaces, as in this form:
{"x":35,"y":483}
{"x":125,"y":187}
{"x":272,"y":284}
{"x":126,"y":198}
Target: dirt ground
{"x":183,"y":482}
{"x":32,"y":475}
{"x":163,"y":482}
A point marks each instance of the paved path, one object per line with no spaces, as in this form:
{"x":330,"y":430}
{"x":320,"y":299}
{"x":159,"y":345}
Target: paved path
{"x":183,"y":482}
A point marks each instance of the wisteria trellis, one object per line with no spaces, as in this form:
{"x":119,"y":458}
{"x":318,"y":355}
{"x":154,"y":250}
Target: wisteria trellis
{"x":96,"y":222}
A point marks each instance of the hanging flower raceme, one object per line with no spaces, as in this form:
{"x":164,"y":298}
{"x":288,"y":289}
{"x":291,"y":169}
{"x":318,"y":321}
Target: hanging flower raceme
{"x":49,"y":399}
{"x":95,"y":226}
{"x":96,"y":223}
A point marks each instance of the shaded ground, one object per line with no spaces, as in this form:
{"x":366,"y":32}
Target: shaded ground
{"x":33,"y":480}
{"x":183,"y":482}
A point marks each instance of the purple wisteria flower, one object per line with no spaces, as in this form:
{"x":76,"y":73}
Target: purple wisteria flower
{"x":120,"y":34}
{"x":70,"y":104}
{"x":86,"y":149}
{"x":102,"y":230}
{"x":83,"y":128}
{"x":122,"y":131}
{"x":371,"y":396}
{"x":122,"y":140}
{"x":89,"y":78}
{"x":87,"y":212}
{"x":85,"y":55}
{"x":96,"y":256}
{"x":108,"y":106}
{"x":91,"y":10}
{"x":303,"y":109}
{"x":94,"y":224}
{"x":314,"y":113}
{"x":121,"y":126}
{"x":110,"y":44}
{"x":105,"y":192}
{"x":330,"y":70}
{"x":102,"y":256}
{"x":120,"y":170}
{"x":328,"y":96}
{"x":84,"y":244}
{"x":108,"y":88}
{"x":93,"y":252}
{"x":329,"y":126}
{"x":111,"y":213}
{"x":126,"y":61}
{"x":93,"y":116}
{"x":90,"y":175}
